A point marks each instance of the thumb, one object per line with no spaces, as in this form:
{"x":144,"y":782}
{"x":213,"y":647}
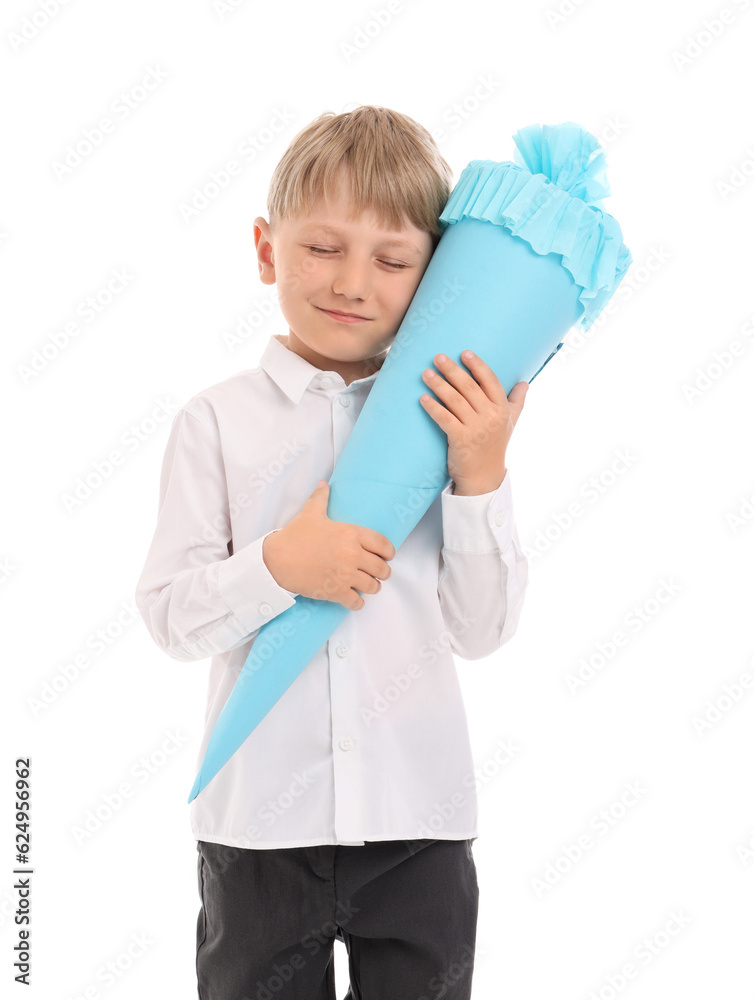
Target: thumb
{"x":321,"y":494}
{"x":516,"y":398}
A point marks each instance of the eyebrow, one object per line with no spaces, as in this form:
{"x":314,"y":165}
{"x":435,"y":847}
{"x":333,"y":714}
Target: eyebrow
{"x":400,"y":244}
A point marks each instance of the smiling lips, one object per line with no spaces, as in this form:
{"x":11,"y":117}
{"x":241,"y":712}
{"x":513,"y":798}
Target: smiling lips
{"x":345,"y":317}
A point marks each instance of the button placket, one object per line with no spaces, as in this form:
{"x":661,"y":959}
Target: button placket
{"x":342,"y":423}
{"x":344,"y":681}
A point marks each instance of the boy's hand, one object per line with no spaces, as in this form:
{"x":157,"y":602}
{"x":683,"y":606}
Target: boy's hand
{"x":327,"y":560}
{"x":477,"y":418}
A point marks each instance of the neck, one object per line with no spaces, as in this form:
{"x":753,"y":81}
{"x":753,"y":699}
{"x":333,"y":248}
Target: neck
{"x":349,"y":371}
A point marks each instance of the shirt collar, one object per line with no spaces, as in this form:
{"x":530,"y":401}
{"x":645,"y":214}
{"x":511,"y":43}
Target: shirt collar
{"x":294,"y":374}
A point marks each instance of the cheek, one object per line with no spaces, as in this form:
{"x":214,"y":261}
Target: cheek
{"x":296,"y":278}
{"x":403,"y":294}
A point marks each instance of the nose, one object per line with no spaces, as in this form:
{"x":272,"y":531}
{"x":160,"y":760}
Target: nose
{"x":351,"y":278}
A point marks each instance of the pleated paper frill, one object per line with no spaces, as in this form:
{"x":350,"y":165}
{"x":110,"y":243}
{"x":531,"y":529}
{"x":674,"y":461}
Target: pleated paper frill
{"x":551,"y":199}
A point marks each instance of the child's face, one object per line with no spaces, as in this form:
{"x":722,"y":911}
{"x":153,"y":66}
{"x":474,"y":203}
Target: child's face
{"x":326,"y":265}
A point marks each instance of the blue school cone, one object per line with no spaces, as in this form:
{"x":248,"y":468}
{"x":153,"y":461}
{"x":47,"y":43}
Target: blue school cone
{"x":527,"y":252}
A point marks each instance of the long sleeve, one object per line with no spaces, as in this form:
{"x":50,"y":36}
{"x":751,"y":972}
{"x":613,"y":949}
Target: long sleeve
{"x":196,"y":596}
{"x":483,"y":570}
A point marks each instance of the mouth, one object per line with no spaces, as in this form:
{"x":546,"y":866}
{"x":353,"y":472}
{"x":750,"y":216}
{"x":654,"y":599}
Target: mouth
{"x":344,"y":317}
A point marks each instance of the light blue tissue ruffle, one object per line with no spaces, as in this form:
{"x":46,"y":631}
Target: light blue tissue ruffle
{"x":551,"y":198}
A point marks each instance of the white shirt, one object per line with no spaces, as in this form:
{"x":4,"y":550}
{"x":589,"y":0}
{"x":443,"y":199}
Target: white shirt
{"x":370,"y":742}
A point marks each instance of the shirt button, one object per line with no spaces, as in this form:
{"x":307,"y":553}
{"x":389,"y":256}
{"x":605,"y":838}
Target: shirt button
{"x":265,"y":608}
{"x":325,"y":382}
{"x":342,"y":650}
{"x":499,"y":517}
{"x":345,"y":400}
{"x":346,"y":744}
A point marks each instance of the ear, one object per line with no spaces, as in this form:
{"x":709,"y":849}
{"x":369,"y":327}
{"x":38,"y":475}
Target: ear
{"x":263,"y":243}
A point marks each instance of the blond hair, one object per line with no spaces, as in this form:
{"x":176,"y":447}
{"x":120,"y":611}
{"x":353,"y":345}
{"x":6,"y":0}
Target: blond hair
{"x":395,"y":166}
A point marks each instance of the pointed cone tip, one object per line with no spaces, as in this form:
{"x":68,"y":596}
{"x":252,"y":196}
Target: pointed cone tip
{"x":196,"y":788}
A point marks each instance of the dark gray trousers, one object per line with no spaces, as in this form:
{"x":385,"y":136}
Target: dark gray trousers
{"x":405,"y":909}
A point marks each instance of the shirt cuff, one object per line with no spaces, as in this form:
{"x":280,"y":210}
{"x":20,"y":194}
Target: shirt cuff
{"x":249,"y":589}
{"x":482,"y":523}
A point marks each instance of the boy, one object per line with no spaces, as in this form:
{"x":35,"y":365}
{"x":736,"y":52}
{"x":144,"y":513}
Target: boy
{"x":350,"y":810}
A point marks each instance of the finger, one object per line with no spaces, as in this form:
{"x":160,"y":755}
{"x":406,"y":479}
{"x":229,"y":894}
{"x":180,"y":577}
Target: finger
{"x":439,"y":413}
{"x":464,"y":384}
{"x":374,"y":542}
{"x":353,"y":601}
{"x":366,"y":584}
{"x":484,"y":376}
{"x":375,"y":567}
{"x":454,"y":399}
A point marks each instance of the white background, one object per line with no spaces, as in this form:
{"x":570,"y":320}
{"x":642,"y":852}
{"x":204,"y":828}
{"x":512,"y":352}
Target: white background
{"x":679,"y":140}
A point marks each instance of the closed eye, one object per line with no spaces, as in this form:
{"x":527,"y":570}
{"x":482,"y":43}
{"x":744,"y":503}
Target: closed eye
{"x":388,"y":263}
